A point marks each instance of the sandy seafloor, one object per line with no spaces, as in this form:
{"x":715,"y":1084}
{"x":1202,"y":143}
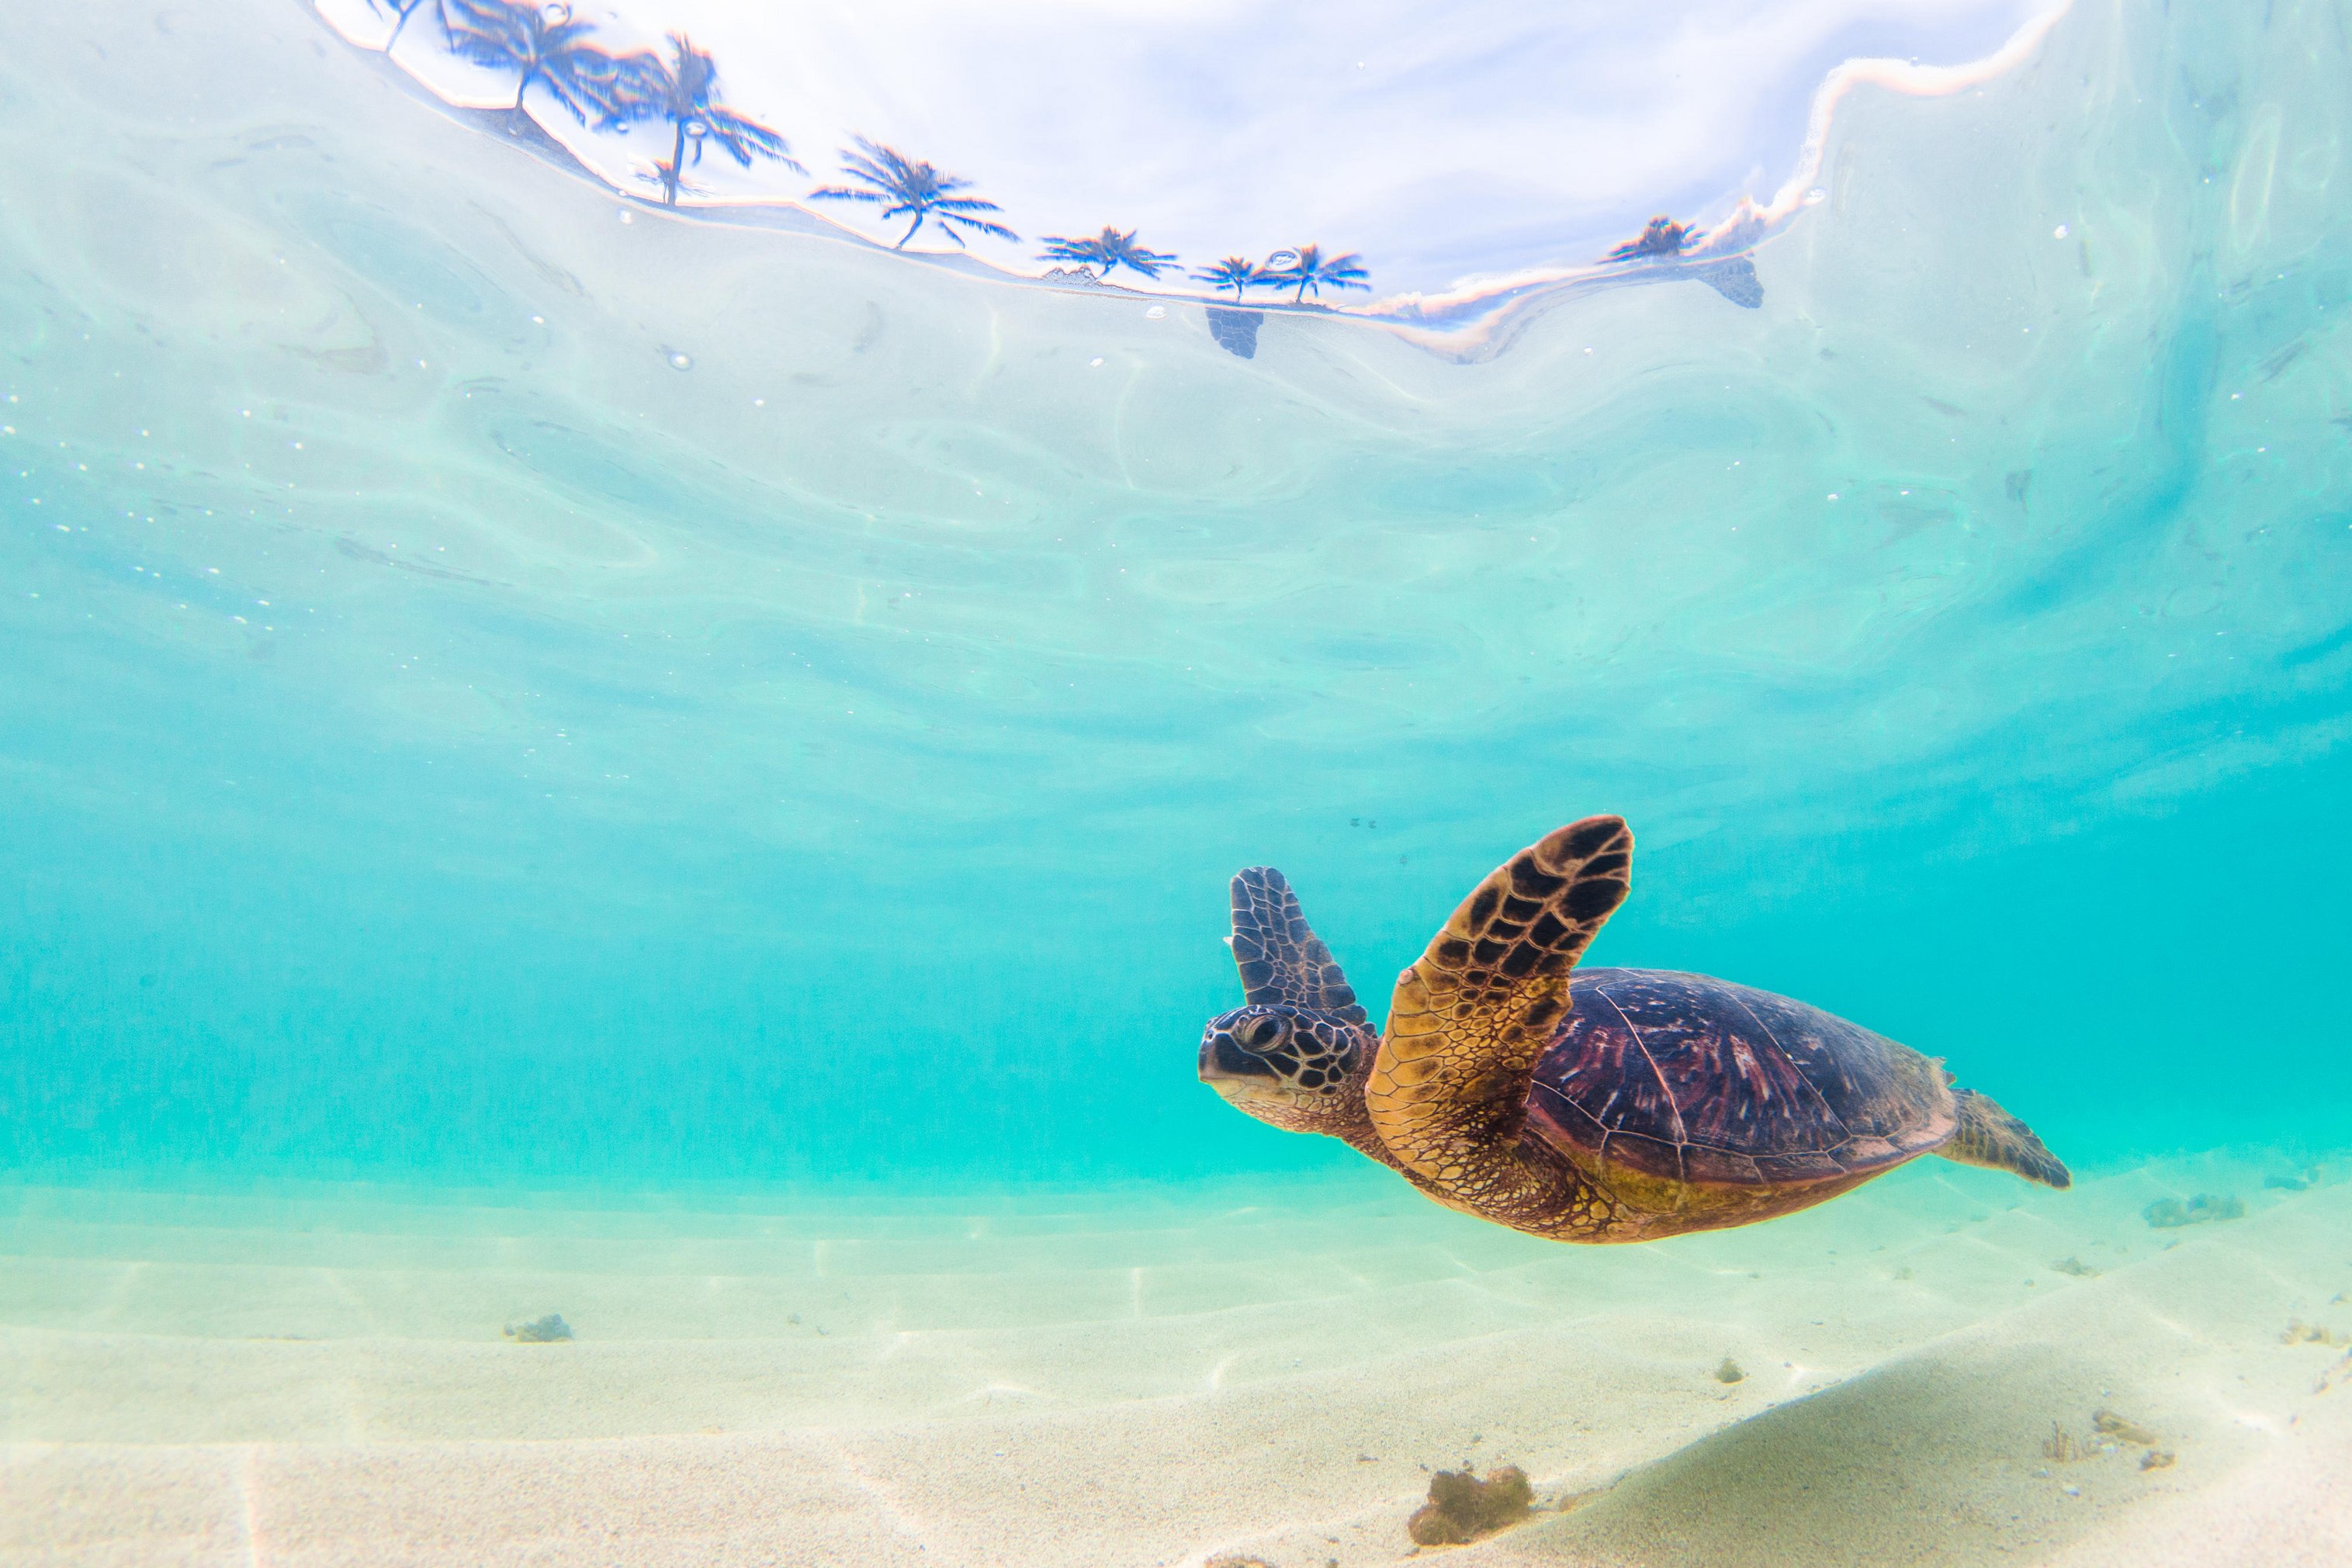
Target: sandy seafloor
{"x":1268,"y":1369}
{"x":1265,"y":1370}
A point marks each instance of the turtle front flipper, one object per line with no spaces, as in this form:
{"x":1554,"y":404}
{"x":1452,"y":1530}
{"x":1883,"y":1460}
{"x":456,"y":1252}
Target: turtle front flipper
{"x":1990,"y":1136}
{"x":1448,"y":1089}
{"x":1282,"y":962}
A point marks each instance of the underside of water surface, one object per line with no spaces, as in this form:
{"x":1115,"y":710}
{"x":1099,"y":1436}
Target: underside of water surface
{"x":519,"y":701}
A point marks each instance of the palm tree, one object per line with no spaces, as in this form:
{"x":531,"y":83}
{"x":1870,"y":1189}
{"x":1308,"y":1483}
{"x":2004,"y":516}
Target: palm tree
{"x":399,"y":11}
{"x":899,"y":187}
{"x":1107,"y":250}
{"x":685,"y":91}
{"x":546,"y":47}
{"x":447,"y":10}
{"x":1235,"y":272}
{"x":665,"y":174}
{"x":1312,"y":269}
{"x":1663,"y":236}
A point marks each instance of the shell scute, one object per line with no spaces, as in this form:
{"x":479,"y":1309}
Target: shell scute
{"x":1698,"y":1080}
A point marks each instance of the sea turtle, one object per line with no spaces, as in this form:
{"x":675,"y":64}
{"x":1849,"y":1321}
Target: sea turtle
{"x":1615,"y":1106}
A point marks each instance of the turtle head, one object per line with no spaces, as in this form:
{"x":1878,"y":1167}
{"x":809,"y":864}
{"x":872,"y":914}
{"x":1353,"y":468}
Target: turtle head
{"x":1301,"y":1069}
{"x":1296,"y":1053}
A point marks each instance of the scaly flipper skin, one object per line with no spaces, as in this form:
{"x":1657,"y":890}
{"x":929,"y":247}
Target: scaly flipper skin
{"x":1282,"y":962}
{"x":1448,"y":1090}
{"x":1990,"y":1136}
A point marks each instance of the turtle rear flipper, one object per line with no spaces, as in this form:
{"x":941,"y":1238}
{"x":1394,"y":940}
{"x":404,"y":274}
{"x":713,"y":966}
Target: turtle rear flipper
{"x":1991,"y":1137}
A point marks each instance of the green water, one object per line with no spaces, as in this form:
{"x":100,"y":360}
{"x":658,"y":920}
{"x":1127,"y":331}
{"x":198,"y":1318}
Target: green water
{"x":443,"y":742}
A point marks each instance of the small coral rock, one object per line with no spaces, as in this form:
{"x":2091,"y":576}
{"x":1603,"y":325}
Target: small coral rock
{"x":2108,"y":1424}
{"x":1462,"y":1508}
{"x":2170,"y":1213}
{"x":540,"y":1331}
{"x":2301,"y":1332}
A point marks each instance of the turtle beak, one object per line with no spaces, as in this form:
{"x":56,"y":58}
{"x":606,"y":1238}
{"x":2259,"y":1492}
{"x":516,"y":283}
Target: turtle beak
{"x":1227,"y":1068}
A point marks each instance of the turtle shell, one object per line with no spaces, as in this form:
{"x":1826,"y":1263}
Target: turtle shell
{"x":1698,"y":1080}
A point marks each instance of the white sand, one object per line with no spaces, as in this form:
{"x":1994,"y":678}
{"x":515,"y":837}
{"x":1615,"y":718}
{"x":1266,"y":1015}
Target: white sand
{"x":1266,"y":1371}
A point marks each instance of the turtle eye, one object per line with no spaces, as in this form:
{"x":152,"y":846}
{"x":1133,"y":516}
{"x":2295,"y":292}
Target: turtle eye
{"x":1261,"y":1033}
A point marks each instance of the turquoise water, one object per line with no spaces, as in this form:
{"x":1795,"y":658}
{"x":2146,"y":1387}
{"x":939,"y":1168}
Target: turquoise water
{"x":443,"y":741}
{"x":678,"y":769}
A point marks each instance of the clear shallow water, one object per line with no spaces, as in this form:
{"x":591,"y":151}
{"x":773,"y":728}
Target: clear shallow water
{"x":561,"y":757}
{"x":447,"y":741}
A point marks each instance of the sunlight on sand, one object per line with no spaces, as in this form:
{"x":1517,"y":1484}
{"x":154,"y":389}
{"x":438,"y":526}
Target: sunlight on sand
{"x":1160,"y":1379}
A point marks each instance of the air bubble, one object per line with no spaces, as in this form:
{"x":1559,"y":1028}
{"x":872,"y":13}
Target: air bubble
{"x":1156,"y":313}
{"x":678,"y":361}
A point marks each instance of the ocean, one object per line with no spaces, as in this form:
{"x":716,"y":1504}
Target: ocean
{"x":679,"y":767}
